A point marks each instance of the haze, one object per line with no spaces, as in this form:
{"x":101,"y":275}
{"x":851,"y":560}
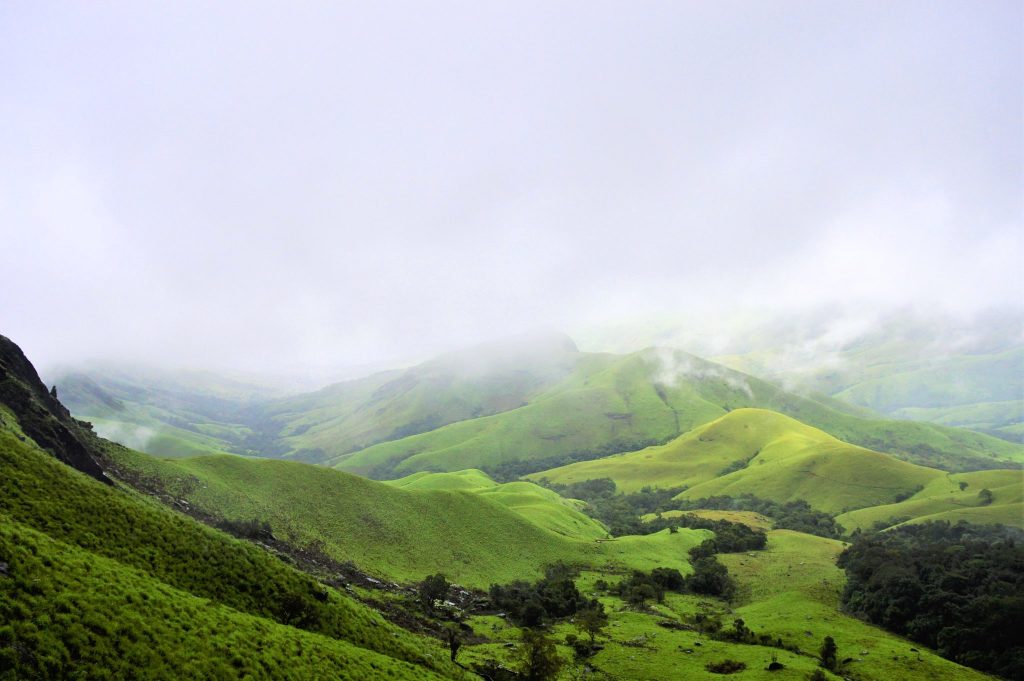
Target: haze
{"x":271,"y":187}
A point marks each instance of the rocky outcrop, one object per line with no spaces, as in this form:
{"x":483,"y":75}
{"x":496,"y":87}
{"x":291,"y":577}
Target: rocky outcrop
{"x":41,"y":415}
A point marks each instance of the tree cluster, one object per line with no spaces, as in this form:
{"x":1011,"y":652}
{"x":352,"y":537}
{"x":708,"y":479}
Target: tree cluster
{"x":792,"y":515}
{"x":553,"y":596}
{"x":956,"y":588}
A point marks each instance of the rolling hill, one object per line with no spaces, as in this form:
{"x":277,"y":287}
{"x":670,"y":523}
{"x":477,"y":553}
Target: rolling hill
{"x":98,"y":581}
{"x":404,"y":531}
{"x":759,"y":452}
{"x":507,"y":408}
{"x":618,"y":403}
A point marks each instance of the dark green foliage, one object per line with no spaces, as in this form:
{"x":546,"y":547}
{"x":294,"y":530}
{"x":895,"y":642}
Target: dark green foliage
{"x":711,"y":578}
{"x":729,"y":537}
{"x":639,"y":588}
{"x":956,"y":588}
{"x":828,"y":654}
{"x":551,"y":597}
{"x":620,"y":512}
{"x":793,"y":515}
{"x":985,"y":497}
{"x":906,"y":494}
{"x":817,"y":675}
{"x":725,"y":667}
{"x":433,"y":588}
{"x":537,"y":656}
{"x":592,"y":621}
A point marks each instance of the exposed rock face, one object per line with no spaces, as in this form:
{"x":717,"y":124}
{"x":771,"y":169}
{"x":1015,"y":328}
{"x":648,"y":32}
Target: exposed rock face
{"x":41,"y":415}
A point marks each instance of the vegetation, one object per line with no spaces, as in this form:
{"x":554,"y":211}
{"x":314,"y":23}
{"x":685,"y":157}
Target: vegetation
{"x":551,"y":597}
{"x":956,"y":588}
{"x":87,"y":564}
{"x":792,"y":515}
{"x":474,"y":535}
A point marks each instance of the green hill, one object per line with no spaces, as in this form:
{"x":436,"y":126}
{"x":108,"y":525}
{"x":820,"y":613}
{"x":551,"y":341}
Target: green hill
{"x":508,"y":408}
{"x":537,"y":504}
{"x":762,"y":453}
{"x":618,"y":403}
{"x":494,"y":533}
{"x":952,"y":497}
{"x":98,"y":579}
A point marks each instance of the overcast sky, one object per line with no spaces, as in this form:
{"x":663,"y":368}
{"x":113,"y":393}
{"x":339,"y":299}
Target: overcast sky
{"x":270,"y":186}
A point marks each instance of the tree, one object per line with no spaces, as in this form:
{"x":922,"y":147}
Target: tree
{"x":453,"y":636}
{"x":712,"y":578}
{"x":985,"y":496}
{"x":829,"y":654}
{"x":592,"y":621}
{"x":538,"y":658}
{"x":433,"y":588}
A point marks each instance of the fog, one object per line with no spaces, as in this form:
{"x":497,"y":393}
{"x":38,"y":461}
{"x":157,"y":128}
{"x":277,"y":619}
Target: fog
{"x":278,"y":188}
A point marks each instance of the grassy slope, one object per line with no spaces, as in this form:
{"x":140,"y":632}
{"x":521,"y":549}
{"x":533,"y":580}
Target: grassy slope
{"x":791,"y":591}
{"x":785,"y":460}
{"x":611,"y":402}
{"x":793,"y":588}
{"x":75,"y":614}
{"x":542,"y":507}
{"x":484,"y":380}
{"x":137,"y":544}
{"x":942,"y":499}
{"x":474,"y":538}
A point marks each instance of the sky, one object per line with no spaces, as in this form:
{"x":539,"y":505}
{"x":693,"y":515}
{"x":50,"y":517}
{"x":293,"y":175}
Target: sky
{"x":274,"y":186}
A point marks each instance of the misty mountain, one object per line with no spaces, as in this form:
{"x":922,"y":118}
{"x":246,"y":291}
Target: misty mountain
{"x":510,"y":408}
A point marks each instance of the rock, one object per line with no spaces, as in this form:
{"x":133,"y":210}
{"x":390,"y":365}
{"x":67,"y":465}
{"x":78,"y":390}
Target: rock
{"x":5,"y":570}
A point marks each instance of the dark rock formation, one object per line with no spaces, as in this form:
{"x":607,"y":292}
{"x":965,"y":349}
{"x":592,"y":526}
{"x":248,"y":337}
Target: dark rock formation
{"x":41,"y":415}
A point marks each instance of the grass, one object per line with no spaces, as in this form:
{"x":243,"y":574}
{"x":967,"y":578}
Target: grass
{"x":496,"y":534}
{"x":943,"y":499}
{"x":793,"y":589}
{"x":748,"y":518}
{"x":69,"y":613}
{"x":122,"y":544}
{"x":776,"y":457}
{"x":494,"y":406}
{"x":610,"y":402}
{"x":540,"y":506}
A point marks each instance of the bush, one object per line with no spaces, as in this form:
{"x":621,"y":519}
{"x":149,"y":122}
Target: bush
{"x":725,"y":667}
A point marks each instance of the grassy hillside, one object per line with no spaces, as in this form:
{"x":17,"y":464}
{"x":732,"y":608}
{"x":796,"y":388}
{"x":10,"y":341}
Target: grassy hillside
{"x":491,"y":534}
{"x":952,"y":497}
{"x":763,"y":453}
{"x":66,"y":612}
{"x":793,"y":589}
{"x":109,"y":561}
{"x":789,"y":591}
{"x":614,"y":403}
{"x":508,"y":408}
{"x":480,"y":381}
{"x":541,"y":506}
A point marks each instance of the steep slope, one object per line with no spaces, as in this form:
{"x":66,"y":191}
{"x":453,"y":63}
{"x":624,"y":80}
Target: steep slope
{"x":92,"y":571}
{"x":763,"y":453}
{"x":476,"y":537}
{"x":43,"y":418}
{"x":615,"y":403}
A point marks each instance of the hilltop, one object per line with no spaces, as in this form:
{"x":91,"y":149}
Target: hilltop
{"x":509,"y":408}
